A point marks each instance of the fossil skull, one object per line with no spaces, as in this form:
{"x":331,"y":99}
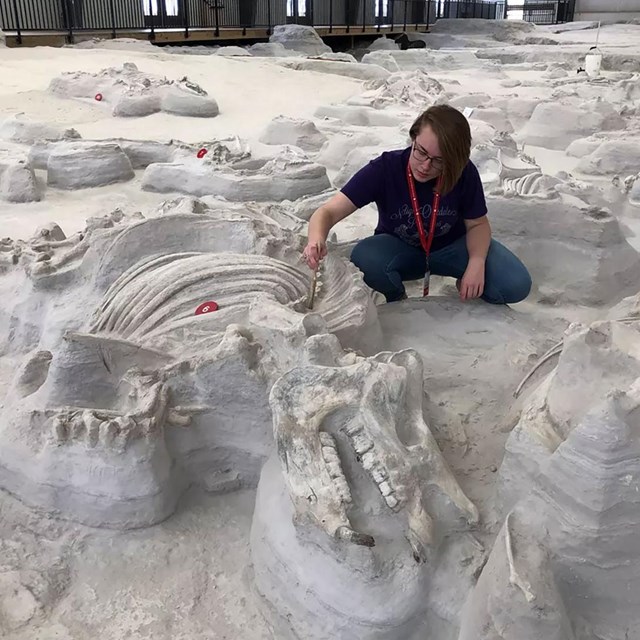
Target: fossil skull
{"x":384,"y":427}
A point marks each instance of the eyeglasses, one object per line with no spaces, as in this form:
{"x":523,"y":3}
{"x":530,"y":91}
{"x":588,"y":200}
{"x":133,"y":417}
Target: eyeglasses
{"x":422,"y":156}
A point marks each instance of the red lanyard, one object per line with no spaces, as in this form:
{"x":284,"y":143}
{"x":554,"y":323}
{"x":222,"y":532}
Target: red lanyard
{"x":435,"y":207}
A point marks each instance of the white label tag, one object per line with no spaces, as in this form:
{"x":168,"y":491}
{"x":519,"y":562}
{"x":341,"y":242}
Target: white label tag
{"x":467,"y":112}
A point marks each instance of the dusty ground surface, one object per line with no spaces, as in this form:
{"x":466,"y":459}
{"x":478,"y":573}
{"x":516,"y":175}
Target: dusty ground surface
{"x":189,"y":577}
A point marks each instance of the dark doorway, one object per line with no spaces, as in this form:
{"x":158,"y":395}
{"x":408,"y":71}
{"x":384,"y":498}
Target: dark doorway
{"x":163,"y":13}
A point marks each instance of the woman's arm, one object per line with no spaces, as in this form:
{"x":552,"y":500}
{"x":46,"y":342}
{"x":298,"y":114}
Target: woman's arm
{"x":478,"y":241}
{"x":321,"y":222}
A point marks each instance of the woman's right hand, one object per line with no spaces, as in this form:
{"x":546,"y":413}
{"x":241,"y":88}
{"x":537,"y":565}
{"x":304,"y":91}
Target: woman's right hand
{"x":313,"y":253}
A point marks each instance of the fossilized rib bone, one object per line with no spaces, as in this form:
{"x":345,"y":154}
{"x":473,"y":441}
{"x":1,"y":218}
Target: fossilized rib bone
{"x":514,"y":577}
{"x":533,"y":184}
{"x":386,"y":392}
{"x":160,"y":293}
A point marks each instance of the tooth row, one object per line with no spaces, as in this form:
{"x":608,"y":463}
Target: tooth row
{"x":352,"y":429}
{"x":326,"y":439}
{"x":361,"y":443}
{"x":381,"y":477}
{"x":392,"y":502}
{"x":379,"y":474}
{"x":111,"y":431}
{"x":334,"y":467}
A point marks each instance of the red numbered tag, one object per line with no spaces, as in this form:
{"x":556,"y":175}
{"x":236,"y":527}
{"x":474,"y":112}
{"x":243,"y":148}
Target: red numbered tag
{"x":202,"y":153}
{"x":99,"y":97}
{"x":206,"y":307}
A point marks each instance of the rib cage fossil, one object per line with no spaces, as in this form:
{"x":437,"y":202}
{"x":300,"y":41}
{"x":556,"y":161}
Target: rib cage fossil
{"x":161,"y":293}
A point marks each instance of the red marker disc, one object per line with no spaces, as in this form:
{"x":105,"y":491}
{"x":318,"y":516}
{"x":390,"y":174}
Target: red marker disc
{"x":99,"y":97}
{"x":202,"y":153}
{"x":207,"y":307}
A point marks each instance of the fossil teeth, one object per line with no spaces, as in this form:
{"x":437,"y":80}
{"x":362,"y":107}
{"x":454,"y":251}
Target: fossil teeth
{"x":379,"y":474}
{"x":368,"y":460}
{"x":343,"y":489}
{"x":108,"y":432}
{"x":329,"y":454}
{"x":334,"y":466}
{"x":348,"y":534}
{"x":326,"y":440}
{"x":385,"y":489}
{"x":92,"y":425}
{"x":353,"y":428}
{"x":60,"y":429}
{"x":361,"y":443}
{"x":78,"y":429}
{"x":392,"y":501}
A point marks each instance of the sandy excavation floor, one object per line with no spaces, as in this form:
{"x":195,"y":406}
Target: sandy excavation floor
{"x":189,"y":578}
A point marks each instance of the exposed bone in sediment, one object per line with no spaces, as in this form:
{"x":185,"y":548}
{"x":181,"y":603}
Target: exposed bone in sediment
{"x":532,"y":185}
{"x":348,"y":534}
{"x":332,"y":460}
{"x":158,"y":294}
{"x":361,"y":443}
{"x":514,"y":577}
{"x":304,"y":397}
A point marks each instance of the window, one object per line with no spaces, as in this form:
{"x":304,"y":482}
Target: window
{"x":301,"y":5}
{"x":170,"y":7}
{"x":384,"y":5}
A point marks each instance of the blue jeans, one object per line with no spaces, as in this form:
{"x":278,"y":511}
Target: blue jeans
{"x":386,"y":261}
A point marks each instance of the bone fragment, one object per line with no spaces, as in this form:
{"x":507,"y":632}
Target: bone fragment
{"x":514,"y":576}
{"x":348,"y":534}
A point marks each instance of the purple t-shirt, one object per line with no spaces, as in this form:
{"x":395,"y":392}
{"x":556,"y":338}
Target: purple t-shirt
{"x":384,"y":181}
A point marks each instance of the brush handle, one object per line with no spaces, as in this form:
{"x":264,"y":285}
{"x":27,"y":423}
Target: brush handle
{"x":312,"y":290}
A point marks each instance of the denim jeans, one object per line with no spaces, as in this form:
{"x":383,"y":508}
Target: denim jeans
{"x":386,"y":261}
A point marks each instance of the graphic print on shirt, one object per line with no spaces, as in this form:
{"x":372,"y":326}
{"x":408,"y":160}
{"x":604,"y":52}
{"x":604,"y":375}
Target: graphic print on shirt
{"x":404,"y":222}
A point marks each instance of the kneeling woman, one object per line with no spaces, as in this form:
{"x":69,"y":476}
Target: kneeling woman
{"x":432,"y":217}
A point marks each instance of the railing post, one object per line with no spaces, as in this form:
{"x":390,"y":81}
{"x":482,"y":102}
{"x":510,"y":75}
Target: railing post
{"x":66,"y":9}
{"x":404,"y":24}
{"x":347,"y":13}
{"x":330,"y":16}
{"x":215,"y":13}
{"x":113,"y":19}
{"x":18,"y":28}
{"x":428,"y":13}
{"x":186,"y":19}
{"x":379,"y":15}
{"x":364,"y":15}
{"x":392,"y":9}
{"x":506,"y":9}
{"x":152,"y":34}
{"x":268,"y":17}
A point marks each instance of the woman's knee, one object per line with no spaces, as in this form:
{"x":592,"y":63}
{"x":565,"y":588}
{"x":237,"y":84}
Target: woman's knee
{"x":507,"y":279}
{"x":373,"y":257}
{"x":509,"y":291}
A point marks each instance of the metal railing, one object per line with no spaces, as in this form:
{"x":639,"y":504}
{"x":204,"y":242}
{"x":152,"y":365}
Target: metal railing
{"x":536,"y":11}
{"x":470,"y":9}
{"x":550,"y":12}
{"x":74,"y":17}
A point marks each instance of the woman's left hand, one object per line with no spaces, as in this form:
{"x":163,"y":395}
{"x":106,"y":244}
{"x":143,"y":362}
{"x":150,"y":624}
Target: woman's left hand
{"x":472,"y":283}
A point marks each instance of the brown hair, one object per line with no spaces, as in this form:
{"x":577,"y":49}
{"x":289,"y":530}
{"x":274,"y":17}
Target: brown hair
{"x":454,"y":138}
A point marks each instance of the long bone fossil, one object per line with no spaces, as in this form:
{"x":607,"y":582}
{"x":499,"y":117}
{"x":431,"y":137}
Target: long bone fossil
{"x":386,"y":392}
